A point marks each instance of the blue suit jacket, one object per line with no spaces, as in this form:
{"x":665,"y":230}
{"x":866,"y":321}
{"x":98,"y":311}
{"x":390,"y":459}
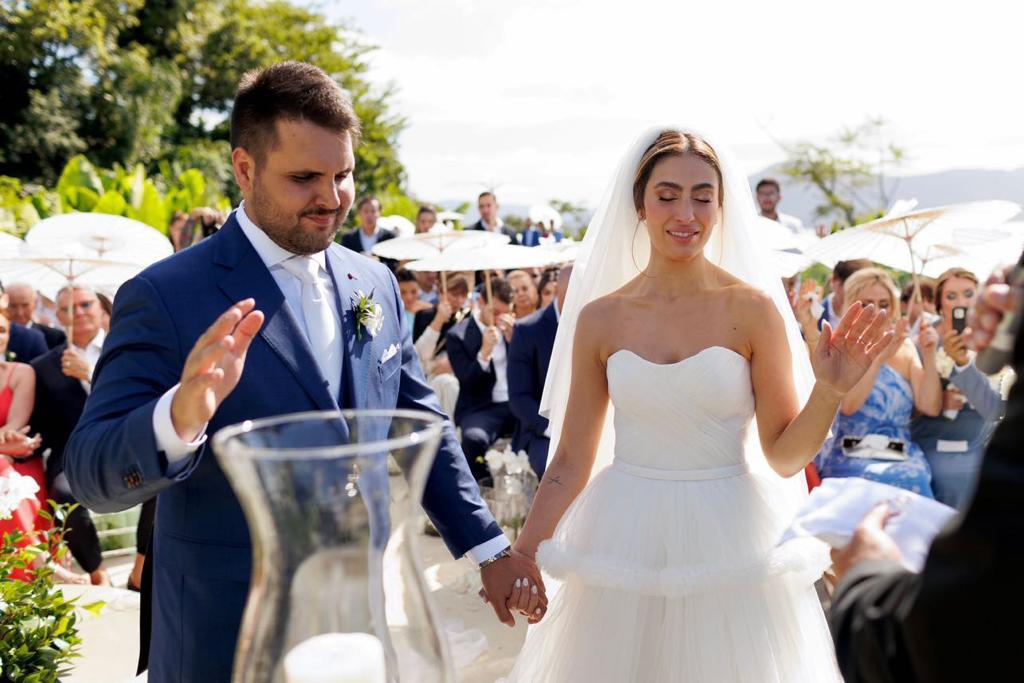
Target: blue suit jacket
{"x":202,"y":553}
{"x":26,"y":344}
{"x":529,"y":355}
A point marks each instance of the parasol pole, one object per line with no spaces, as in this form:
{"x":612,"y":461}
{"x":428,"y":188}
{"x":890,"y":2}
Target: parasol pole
{"x":71,"y":301}
{"x":490,"y":294}
{"x":444,"y":273}
{"x":915,"y":298}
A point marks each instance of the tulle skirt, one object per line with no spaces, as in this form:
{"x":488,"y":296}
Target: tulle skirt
{"x":668,"y":580}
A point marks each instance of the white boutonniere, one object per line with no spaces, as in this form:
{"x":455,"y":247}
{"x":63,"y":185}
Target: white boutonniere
{"x":368,"y":314}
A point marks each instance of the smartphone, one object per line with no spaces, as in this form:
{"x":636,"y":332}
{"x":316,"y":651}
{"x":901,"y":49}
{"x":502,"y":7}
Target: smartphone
{"x":960,"y":319}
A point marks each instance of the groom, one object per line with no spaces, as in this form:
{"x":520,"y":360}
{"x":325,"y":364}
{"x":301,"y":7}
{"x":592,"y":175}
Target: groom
{"x":256,"y":321}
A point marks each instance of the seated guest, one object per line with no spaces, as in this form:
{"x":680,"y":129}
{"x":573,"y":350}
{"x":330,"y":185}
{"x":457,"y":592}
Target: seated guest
{"x":426,"y":218}
{"x":946,"y":623}
{"x":529,"y":355}
{"x":410,"y":291}
{"x":21,"y":305}
{"x":954,"y":441}
{"x":871,"y":435}
{"x":548,"y":286}
{"x":63,"y":382}
{"x":525,"y":299}
{"x":429,"y":332}
{"x":478,"y":353}
{"x":541,"y":232}
{"x":428,"y":286}
{"x":363,"y":239}
{"x":833,"y":305}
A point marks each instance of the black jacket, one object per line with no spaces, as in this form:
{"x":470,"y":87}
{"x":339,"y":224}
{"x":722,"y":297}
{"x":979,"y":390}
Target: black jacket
{"x":52,"y":335}
{"x":60,"y":401}
{"x":505,"y":230}
{"x":475,"y":384}
{"x":25,"y":344}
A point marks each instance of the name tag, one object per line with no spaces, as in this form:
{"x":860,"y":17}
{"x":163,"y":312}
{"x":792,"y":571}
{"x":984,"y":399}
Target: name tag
{"x":943,"y":446}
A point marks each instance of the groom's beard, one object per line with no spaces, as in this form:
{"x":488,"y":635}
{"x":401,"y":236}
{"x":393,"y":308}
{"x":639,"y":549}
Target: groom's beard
{"x":286,"y":230}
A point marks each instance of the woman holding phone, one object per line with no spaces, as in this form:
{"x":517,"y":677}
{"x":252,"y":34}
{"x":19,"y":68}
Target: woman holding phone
{"x":972,"y":403}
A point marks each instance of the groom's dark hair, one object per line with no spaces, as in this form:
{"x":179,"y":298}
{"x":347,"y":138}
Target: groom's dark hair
{"x":293,"y":91}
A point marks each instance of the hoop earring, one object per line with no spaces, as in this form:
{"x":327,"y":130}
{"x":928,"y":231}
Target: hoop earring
{"x":632,"y":250}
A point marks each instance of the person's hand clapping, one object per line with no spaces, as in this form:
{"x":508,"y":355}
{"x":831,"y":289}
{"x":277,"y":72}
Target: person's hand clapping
{"x":869,"y":542}
{"x":490,"y":340}
{"x":74,"y":365}
{"x":441,"y":316}
{"x":928,"y":340}
{"x":506,"y":324}
{"x":213,"y":368}
{"x":843,"y":356}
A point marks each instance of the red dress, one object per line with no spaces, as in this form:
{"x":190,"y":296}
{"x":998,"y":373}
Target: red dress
{"x":23,"y":519}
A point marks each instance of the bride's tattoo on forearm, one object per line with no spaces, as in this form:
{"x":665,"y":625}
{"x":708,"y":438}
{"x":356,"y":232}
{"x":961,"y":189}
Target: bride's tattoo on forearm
{"x":554,"y":479}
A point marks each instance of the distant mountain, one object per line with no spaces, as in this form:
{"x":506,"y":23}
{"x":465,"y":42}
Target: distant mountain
{"x":932,"y":189}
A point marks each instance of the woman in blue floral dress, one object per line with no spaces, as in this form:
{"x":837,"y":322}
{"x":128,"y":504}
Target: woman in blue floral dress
{"x":871,"y":434}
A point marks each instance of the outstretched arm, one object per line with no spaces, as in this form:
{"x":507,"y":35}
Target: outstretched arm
{"x":791,"y":436}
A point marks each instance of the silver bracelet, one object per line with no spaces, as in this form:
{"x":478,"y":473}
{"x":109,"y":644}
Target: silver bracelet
{"x":507,"y":552}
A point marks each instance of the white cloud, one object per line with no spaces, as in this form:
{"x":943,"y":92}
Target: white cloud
{"x":542,"y":96}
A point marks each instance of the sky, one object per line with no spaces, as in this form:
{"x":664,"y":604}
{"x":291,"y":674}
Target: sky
{"x":539,"y":99}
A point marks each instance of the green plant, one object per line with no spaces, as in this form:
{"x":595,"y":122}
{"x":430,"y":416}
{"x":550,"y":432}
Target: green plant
{"x":38,"y":626}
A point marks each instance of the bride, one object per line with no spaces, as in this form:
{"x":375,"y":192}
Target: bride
{"x":665,"y":562}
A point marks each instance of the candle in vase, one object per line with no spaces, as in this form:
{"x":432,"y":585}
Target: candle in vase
{"x":336,"y":658}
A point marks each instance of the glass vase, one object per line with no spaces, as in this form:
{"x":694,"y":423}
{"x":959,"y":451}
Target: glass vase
{"x":337,"y":593}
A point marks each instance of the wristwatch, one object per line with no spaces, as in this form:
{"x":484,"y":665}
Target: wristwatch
{"x":507,"y":552}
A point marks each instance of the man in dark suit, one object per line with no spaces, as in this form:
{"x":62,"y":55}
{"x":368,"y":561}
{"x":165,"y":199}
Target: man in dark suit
{"x":25,"y":345}
{"x":487,"y":205}
{"x":478,"y":353}
{"x":255,"y":321}
{"x":21,"y":306}
{"x":363,"y":239}
{"x":948,"y":622}
{"x":529,"y":355}
{"x":63,"y":382}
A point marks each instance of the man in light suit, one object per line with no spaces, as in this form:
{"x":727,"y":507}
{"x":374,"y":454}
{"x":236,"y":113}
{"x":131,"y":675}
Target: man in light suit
{"x":529,"y":355}
{"x":256,"y":321}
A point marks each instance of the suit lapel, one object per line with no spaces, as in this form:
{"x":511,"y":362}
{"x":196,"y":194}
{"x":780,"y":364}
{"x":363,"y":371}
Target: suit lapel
{"x":248,"y":277}
{"x":358,"y":352}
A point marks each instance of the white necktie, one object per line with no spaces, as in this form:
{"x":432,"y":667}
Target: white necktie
{"x":322,"y":328}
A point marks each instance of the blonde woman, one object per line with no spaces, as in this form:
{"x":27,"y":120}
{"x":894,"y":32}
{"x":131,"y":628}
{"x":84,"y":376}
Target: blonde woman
{"x":871,"y":435}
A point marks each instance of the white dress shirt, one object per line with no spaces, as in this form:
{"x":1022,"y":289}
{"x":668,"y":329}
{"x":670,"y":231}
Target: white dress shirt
{"x":272,"y":255}
{"x":177,"y":449}
{"x":499,"y":356}
{"x":91,"y":354}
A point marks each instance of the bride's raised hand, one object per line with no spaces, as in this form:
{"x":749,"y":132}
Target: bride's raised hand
{"x":528,"y":599}
{"x":843,"y":356}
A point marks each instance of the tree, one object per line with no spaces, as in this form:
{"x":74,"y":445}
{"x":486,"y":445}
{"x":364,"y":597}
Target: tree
{"x":845,"y":167}
{"x":573,"y":212}
{"x":151,"y":81}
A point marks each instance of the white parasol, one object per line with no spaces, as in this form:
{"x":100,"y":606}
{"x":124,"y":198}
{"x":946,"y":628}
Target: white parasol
{"x":910,"y":240}
{"x":432,"y":244}
{"x":542,"y":213}
{"x":90,"y":249}
{"x":400,"y":224}
{"x":505,"y":257}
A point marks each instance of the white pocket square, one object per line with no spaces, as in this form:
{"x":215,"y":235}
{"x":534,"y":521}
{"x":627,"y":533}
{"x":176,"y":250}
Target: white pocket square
{"x":392,"y":350}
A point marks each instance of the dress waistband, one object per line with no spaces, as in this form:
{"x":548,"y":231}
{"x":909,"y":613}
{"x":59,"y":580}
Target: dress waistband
{"x":681,"y":475}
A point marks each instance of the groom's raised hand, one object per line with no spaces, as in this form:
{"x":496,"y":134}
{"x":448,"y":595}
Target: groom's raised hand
{"x":213,"y":368}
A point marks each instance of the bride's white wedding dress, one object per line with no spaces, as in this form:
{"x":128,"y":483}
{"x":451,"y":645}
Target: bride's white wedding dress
{"x":665,"y":563}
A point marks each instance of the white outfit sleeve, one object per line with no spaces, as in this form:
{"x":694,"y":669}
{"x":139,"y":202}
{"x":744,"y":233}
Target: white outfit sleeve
{"x":425,"y":346}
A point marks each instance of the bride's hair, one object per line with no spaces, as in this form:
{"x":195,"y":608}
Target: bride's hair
{"x":673,"y":143}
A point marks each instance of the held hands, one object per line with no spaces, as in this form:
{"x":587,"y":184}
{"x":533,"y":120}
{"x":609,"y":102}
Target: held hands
{"x":513,"y":584}
{"x":17,"y":443}
{"x":213,"y":368}
{"x":842,"y":357}
{"x":73,"y":365}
